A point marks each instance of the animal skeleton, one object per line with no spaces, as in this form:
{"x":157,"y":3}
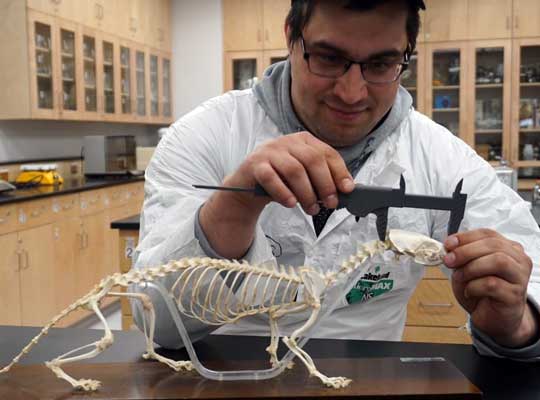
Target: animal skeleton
{"x":204,"y":290}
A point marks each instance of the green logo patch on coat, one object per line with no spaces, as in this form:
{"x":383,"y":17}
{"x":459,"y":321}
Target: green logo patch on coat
{"x":369,"y":286}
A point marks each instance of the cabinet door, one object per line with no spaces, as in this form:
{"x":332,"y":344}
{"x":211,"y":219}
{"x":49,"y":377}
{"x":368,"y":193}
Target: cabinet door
{"x":102,"y":15}
{"x":166,"y":85}
{"x":409,"y":78}
{"x":526,"y":18}
{"x":274,"y":56}
{"x":165,"y":30}
{"x":446,"y":20}
{"x":489,"y":75}
{"x":10,"y":296}
{"x":90,"y":266}
{"x":525,"y":146}
{"x":69,"y":75}
{"x":445,"y":94}
{"x":64,"y":9}
{"x":154,"y":87}
{"x":274,"y":13}
{"x":490,"y":19}
{"x":242,"y":69}
{"x":67,"y":241}
{"x":127,"y":83}
{"x":111,"y":78}
{"x":90,"y":100}
{"x":141,"y":73}
{"x":242,"y":25}
{"x":37,"y":275}
{"x":43,"y":83}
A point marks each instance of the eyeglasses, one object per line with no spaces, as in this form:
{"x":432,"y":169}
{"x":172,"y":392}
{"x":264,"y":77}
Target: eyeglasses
{"x":334,"y":66}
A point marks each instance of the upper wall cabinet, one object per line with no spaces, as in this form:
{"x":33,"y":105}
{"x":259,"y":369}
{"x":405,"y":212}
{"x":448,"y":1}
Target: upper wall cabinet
{"x":526,"y":18}
{"x":254,"y":24}
{"x":445,"y":20}
{"x":55,"y":68}
{"x":490,"y":19}
{"x":144,"y":21}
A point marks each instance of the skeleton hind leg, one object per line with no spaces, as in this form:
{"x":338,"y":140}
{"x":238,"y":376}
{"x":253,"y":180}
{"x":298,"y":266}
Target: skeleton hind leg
{"x":99,"y":346}
{"x":148,"y":308}
{"x":335,"y":382}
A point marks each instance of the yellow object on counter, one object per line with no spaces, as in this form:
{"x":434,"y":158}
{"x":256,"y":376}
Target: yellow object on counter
{"x":39,"y":178}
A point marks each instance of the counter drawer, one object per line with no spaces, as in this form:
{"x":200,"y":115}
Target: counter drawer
{"x":34,"y":213}
{"x":8,"y":219}
{"x":117,"y":196}
{"x":92,"y":201}
{"x":66,"y":206}
{"x":436,"y":335}
{"x":136,"y":192}
{"x":433,"y":304}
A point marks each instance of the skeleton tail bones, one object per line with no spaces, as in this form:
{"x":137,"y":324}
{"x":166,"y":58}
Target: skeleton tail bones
{"x":218,"y":304}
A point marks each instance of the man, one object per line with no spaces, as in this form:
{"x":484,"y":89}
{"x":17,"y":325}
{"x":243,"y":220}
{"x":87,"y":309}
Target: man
{"x":331,"y":115}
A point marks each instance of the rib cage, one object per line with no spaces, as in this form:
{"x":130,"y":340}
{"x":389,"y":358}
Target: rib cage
{"x":222,"y":293}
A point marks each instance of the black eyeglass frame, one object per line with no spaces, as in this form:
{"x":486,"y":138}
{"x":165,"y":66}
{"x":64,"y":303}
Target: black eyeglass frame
{"x":350,"y":63}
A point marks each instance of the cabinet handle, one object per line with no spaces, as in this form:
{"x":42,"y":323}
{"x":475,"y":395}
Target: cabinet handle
{"x":22,"y":255}
{"x":35,"y":213}
{"x":435,"y":305}
{"x":98,"y":11}
{"x":19,"y":260}
{"x":266,"y":35}
{"x":81,"y":243}
{"x":259,"y":35}
{"x":516,"y":22}
{"x":85,"y":240}
{"x":132,"y":24}
{"x":67,"y":206}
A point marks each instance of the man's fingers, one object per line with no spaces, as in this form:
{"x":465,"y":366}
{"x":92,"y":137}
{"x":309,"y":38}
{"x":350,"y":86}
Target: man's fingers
{"x":340,"y":174}
{"x":497,"y":289}
{"x":463,"y":238}
{"x":499,"y":265}
{"x":466,"y":253}
{"x":319,"y":174}
{"x":268,"y":178}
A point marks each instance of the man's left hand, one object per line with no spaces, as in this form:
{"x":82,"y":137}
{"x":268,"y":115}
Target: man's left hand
{"x":490,"y":277}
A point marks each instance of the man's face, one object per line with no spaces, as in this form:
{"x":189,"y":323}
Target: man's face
{"x":341,"y":111}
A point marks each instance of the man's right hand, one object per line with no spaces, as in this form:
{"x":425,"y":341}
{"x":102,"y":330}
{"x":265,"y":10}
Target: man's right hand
{"x":295,"y":168}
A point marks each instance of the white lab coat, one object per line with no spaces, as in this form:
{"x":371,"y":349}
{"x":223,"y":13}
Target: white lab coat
{"x":213,"y":140}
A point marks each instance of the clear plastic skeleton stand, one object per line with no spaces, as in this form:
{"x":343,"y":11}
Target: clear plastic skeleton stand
{"x":330,"y":299}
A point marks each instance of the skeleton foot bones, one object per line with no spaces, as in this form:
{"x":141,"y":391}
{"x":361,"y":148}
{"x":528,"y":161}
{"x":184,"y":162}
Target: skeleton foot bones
{"x":203,"y":290}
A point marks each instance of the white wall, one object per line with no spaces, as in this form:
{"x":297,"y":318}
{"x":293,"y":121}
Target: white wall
{"x":197,"y":53}
{"x":26,"y":140}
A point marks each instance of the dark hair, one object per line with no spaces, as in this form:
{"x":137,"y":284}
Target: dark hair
{"x":301,"y":11}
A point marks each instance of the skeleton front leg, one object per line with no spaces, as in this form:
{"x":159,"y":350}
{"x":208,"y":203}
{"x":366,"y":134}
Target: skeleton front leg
{"x":148,"y":309}
{"x":335,"y":382}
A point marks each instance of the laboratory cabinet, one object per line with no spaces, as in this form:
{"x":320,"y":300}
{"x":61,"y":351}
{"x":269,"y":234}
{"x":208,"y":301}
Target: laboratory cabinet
{"x":60,"y":69}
